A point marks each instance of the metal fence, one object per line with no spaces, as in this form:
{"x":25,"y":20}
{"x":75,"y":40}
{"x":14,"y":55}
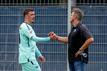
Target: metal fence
{"x":91,"y":2}
{"x":51,"y":15}
{"x":33,"y":2}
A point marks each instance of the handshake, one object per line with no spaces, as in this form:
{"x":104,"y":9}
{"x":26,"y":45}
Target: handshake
{"x":53,"y":36}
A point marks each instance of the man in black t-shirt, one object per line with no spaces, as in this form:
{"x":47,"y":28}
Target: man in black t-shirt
{"x":78,"y":41}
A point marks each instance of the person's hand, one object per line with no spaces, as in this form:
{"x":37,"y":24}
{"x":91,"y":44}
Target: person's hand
{"x":78,"y":53}
{"x":42,"y":59}
{"x":53,"y":36}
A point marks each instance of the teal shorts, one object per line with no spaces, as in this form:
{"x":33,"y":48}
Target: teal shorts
{"x":30,"y":66}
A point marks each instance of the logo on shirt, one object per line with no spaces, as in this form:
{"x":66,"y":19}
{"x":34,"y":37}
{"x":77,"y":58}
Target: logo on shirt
{"x":74,"y":30}
{"x":84,"y":54}
{"x":30,"y":31}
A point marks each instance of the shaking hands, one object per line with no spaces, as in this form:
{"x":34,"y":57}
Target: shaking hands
{"x":53,"y":36}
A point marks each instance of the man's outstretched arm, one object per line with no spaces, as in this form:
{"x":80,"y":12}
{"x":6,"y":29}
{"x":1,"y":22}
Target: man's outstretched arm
{"x":40,"y":39}
{"x":58,"y":38}
{"x":62,"y":39}
{"x":28,"y":33}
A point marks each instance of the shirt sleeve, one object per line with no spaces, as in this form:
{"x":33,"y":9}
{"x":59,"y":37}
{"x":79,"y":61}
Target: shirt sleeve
{"x":40,"y":39}
{"x":85,"y":32}
{"x":37,"y":52}
{"x":27,"y":32}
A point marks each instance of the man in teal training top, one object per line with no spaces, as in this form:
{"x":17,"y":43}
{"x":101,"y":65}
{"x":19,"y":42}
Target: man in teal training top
{"x":27,"y":44}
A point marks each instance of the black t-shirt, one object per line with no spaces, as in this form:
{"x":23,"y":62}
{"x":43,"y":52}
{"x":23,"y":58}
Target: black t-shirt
{"x":76,"y":39}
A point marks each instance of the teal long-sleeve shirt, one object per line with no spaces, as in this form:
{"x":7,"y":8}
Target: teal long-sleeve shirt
{"x":27,"y":45}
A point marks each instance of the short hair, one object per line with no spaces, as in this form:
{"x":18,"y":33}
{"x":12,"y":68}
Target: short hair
{"x":79,"y":13}
{"x":26,"y":11}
